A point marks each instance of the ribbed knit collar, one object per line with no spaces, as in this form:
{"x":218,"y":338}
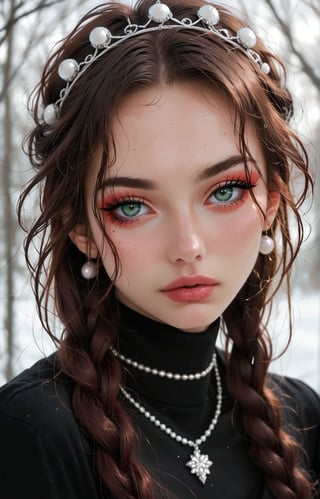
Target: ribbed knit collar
{"x":164,"y":347}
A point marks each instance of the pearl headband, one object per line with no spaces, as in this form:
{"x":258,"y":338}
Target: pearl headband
{"x":102,"y":40}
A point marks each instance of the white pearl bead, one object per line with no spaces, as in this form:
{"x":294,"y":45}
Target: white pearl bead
{"x":89,"y":270}
{"x":160,"y":13}
{"x":247,"y":37}
{"x":265,"y":68}
{"x":209,"y":15}
{"x":68,"y":69}
{"x":266,"y":245}
{"x":49,"y":114}
{"x":100,"y":37}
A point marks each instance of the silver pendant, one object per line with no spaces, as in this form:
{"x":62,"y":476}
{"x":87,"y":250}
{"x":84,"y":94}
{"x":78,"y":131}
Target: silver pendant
{"x":199,"y":464}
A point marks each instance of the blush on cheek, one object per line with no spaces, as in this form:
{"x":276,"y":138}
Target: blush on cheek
{"x":134,"y":253}
{"x":243,"y":233}
{"x":127,"y":250}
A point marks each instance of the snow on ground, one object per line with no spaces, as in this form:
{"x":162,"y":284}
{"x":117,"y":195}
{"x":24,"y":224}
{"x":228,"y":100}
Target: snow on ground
{"x":302,"y":359}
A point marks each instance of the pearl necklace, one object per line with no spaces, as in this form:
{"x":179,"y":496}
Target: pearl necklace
{"x":199,"y":464}
{"x":162,"y":373}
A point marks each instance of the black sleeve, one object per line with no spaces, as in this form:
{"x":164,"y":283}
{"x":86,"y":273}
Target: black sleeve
{"x":301,"y":418}
{"x":309,"y":412}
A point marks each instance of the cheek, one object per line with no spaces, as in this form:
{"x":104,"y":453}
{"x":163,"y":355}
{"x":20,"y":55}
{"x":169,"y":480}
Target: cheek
{"x":131,"y":253}
{"x":242,"y":233}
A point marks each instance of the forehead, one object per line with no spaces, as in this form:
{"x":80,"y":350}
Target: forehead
{"x":174,"y":124}
{"x":168,"y":132}
{"x":162,"y":106}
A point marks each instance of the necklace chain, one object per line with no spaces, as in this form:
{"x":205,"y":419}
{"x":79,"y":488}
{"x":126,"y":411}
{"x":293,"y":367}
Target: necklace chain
{"x":199,"y":463}
{"x":161,"y":372}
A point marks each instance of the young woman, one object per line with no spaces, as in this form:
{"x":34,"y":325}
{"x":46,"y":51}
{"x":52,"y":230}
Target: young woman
{"x":165,"y":159}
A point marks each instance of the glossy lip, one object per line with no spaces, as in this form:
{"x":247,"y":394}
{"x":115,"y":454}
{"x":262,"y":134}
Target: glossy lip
{"x":189,"y":282}
{"x":190,"y":289}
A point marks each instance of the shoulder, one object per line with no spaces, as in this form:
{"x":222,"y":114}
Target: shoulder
{"x":41,"y":438}
{"x":37,"y":405}
{"x":297,"y":397}
{"x":39,"y":397}
{"x":300,"y":410}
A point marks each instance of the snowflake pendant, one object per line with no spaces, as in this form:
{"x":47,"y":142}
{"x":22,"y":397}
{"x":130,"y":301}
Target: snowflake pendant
{"x":199,"y":464}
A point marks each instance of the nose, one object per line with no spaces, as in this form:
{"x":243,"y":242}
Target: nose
{"x":186,"y":244}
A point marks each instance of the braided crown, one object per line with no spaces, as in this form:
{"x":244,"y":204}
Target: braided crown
{"x":102,"y":40}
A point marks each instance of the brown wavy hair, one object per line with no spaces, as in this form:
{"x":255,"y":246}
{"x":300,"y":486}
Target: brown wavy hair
{"x":62,"y":155}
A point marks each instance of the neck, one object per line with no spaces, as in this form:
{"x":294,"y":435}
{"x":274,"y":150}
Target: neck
{"x":168,"y":349}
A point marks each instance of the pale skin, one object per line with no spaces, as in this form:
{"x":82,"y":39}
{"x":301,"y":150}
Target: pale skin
{"x":189,"y":214}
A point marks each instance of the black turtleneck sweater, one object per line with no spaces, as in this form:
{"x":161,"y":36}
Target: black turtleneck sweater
{"x":44,"y":454}
{"x":185,"y":406}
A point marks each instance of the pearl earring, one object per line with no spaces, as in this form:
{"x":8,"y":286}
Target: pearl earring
{"x":266,"y":245}
{"x":89,"y":270}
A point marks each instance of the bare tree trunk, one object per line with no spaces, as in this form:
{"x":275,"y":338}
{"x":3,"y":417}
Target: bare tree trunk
{"x":8,"y":218}
{"x":12,"y":15}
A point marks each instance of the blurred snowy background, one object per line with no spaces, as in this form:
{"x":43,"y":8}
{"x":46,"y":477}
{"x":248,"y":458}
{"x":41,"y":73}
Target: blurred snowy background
{"x":28,"y":32}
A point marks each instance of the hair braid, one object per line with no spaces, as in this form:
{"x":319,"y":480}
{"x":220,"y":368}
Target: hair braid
{"x":97,"y":374}
{"x":257,"y":409}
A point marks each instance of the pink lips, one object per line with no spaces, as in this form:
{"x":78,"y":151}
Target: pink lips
{"x":193,"y":288}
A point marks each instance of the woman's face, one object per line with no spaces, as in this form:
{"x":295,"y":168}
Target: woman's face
{"x":176,"y":204}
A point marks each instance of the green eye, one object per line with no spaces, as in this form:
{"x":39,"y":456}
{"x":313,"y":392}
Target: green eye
{"x":131,"y":209}
{"x":224,"y":194}
{"x":230,"y":193}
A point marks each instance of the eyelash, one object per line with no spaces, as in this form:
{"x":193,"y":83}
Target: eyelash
{"x":111,"y":207}
{"x":239,"y":183}
{"x":115,"y":203}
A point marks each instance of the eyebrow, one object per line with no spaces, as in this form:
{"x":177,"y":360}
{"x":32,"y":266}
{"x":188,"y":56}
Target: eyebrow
{"x":138,"y":183}
{"x":142,"y":183}
{"x":222,"y":166}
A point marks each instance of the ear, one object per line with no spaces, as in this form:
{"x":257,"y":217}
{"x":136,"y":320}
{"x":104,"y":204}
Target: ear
{"x":272,"y":208}
{"x":83,"y":242}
